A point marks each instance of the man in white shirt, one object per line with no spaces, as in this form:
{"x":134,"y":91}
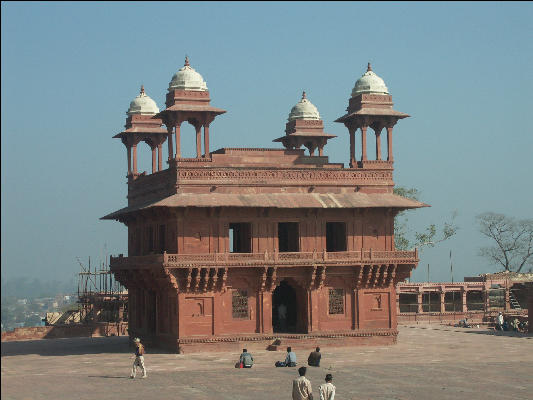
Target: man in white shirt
{"x":301,"y":387}
{"x":327,"y":390}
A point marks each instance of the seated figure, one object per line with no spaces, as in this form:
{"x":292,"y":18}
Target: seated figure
{"x":314,"y":358}
{"x":245,"y":359}
{"x":290,"y":359}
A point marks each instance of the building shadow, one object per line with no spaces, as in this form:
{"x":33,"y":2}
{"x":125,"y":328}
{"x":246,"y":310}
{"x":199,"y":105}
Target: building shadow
{"x":67,"y":346}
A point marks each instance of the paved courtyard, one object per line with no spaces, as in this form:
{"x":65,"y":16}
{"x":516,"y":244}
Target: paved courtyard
{"x":429,"y":362}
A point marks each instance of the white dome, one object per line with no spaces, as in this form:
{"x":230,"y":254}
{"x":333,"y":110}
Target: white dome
{"x":143,"y":104}
{"x":369,"y":83}
{"x":304,"y":109}
{"x":187,"y":79}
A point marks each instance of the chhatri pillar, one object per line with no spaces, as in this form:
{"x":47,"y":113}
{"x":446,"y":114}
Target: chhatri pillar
{"x":370,"y":106}
{"x":142,"y":126}
{"x":188,"y":101}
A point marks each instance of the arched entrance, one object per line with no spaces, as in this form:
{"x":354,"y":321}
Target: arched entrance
{"x":284,"y":308}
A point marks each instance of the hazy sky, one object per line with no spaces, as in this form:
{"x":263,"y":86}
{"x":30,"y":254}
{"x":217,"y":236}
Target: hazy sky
{"x":463,"y":71}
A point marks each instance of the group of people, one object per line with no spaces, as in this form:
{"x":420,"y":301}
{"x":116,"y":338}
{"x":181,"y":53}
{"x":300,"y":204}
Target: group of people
{"x":301,"y":386}
{"x":502,"y":324}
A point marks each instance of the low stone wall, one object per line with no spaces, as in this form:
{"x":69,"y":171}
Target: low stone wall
{"x":66,"y":331}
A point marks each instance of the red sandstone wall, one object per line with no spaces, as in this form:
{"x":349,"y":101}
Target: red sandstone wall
{"x":201,"y":231}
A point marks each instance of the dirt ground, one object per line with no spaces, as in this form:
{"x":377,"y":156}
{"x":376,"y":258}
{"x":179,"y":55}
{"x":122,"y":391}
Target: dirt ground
{"x":429,"y":362}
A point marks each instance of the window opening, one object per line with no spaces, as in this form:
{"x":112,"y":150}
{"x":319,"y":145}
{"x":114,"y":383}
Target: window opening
{"x":408,"y":303}
{"x":335,"y":236}
{"x":240,"y":237}
{"x":288,"y":237}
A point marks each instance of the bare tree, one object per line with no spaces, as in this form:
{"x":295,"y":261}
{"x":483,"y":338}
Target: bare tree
{"x":514,"y":241}
{"x":429,"y":237}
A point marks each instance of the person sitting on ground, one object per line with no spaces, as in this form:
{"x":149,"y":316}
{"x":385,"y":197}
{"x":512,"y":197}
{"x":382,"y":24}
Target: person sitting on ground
{"x":290,"y":360}
{"x":301,"y":386}
{"x":314,"y":358}
{"x":327,"y":390}
{"x":246,"y":359}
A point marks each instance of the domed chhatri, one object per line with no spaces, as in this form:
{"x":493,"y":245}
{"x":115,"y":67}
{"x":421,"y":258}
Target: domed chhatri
{"x":369,"y":83}
{"x":187,"y":79}
{"x":304,"y":109}
{"x":142,"y":105}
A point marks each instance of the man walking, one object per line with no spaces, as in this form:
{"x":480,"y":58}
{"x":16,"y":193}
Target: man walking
{"x":301,"y":387}
{"x":139,"y":359}
{"x":327,"y":390}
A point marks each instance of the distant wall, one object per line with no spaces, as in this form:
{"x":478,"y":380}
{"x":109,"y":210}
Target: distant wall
{"x":66,"y":331}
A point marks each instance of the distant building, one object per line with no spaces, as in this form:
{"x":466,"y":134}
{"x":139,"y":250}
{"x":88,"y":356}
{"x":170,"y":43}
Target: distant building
{"x":220,"y":244}
{"x":479,"y":298}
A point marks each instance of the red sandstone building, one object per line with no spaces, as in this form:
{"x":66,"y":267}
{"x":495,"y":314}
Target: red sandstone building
{"x":258,"y":244}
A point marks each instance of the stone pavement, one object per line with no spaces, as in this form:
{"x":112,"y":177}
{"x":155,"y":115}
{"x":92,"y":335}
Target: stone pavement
{"x":429,"y":362}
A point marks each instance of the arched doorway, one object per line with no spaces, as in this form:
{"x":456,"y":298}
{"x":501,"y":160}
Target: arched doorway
{"x":284,"y":308}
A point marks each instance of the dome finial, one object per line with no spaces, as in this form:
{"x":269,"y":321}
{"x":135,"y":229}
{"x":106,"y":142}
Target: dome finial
{"x":142,"y":89}
{"x":186,"y":61}
{"x":369,"y":67}
{"x":304,"y":96}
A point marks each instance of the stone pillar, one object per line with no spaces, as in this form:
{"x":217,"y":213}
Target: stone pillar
{"x":153,"y":159}
{"x":378,"y":145}
{"x":507,"y":300}
{"x":419,"y":302}
{"x":129,"y":159}
{"x":198,"y":141}
{"x":206,"y":140}
{"x":178,"y":141}
{"x":442,"y":299}
{"x":389,"y":144}
{"x":159,"y":156}
{"x":170,"y":150}
{"x":134,"y":159}
{"x":353,"y":162}
{"x":463,"y":299}
{"x":321,"y":149}
{"x":363,"y":143}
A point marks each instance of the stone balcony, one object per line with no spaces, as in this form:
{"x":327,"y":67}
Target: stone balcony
{"x":271,"y":259}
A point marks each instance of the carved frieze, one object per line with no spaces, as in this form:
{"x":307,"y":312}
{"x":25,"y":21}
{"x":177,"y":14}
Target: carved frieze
{"x":281,"y":176}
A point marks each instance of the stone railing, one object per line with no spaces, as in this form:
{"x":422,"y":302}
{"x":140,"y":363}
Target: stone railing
{"x":268,"y":258}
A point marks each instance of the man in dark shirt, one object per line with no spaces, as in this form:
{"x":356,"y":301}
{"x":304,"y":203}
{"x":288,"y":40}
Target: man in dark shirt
{"x":314,"y":358}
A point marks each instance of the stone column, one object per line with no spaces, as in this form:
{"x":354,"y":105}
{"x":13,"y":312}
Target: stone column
{"x":419,"y":302}
{"x":178,"y":140}
{"x":134,"y":159}
{"x":206,"y":140}
{"x":363,"y":143}
{"x":153,"y":159}
{"x":378,"y":145}
{"x":442,"y":299}
{"x":463,"y":299}
{"x":129,"y":159}
{"x":198,"y":141}
{"x":170,"y":150}
{"x":160,"y":156}
{"x":389,"y":144}
{"x":353,"y":162}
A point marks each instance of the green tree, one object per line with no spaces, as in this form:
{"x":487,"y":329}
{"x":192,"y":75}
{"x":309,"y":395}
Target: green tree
{"x":405,"y":239}
{"x":513,"y":241}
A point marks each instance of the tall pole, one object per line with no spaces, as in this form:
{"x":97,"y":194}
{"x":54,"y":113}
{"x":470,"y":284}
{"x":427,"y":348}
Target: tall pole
{"x":451,"y":265}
